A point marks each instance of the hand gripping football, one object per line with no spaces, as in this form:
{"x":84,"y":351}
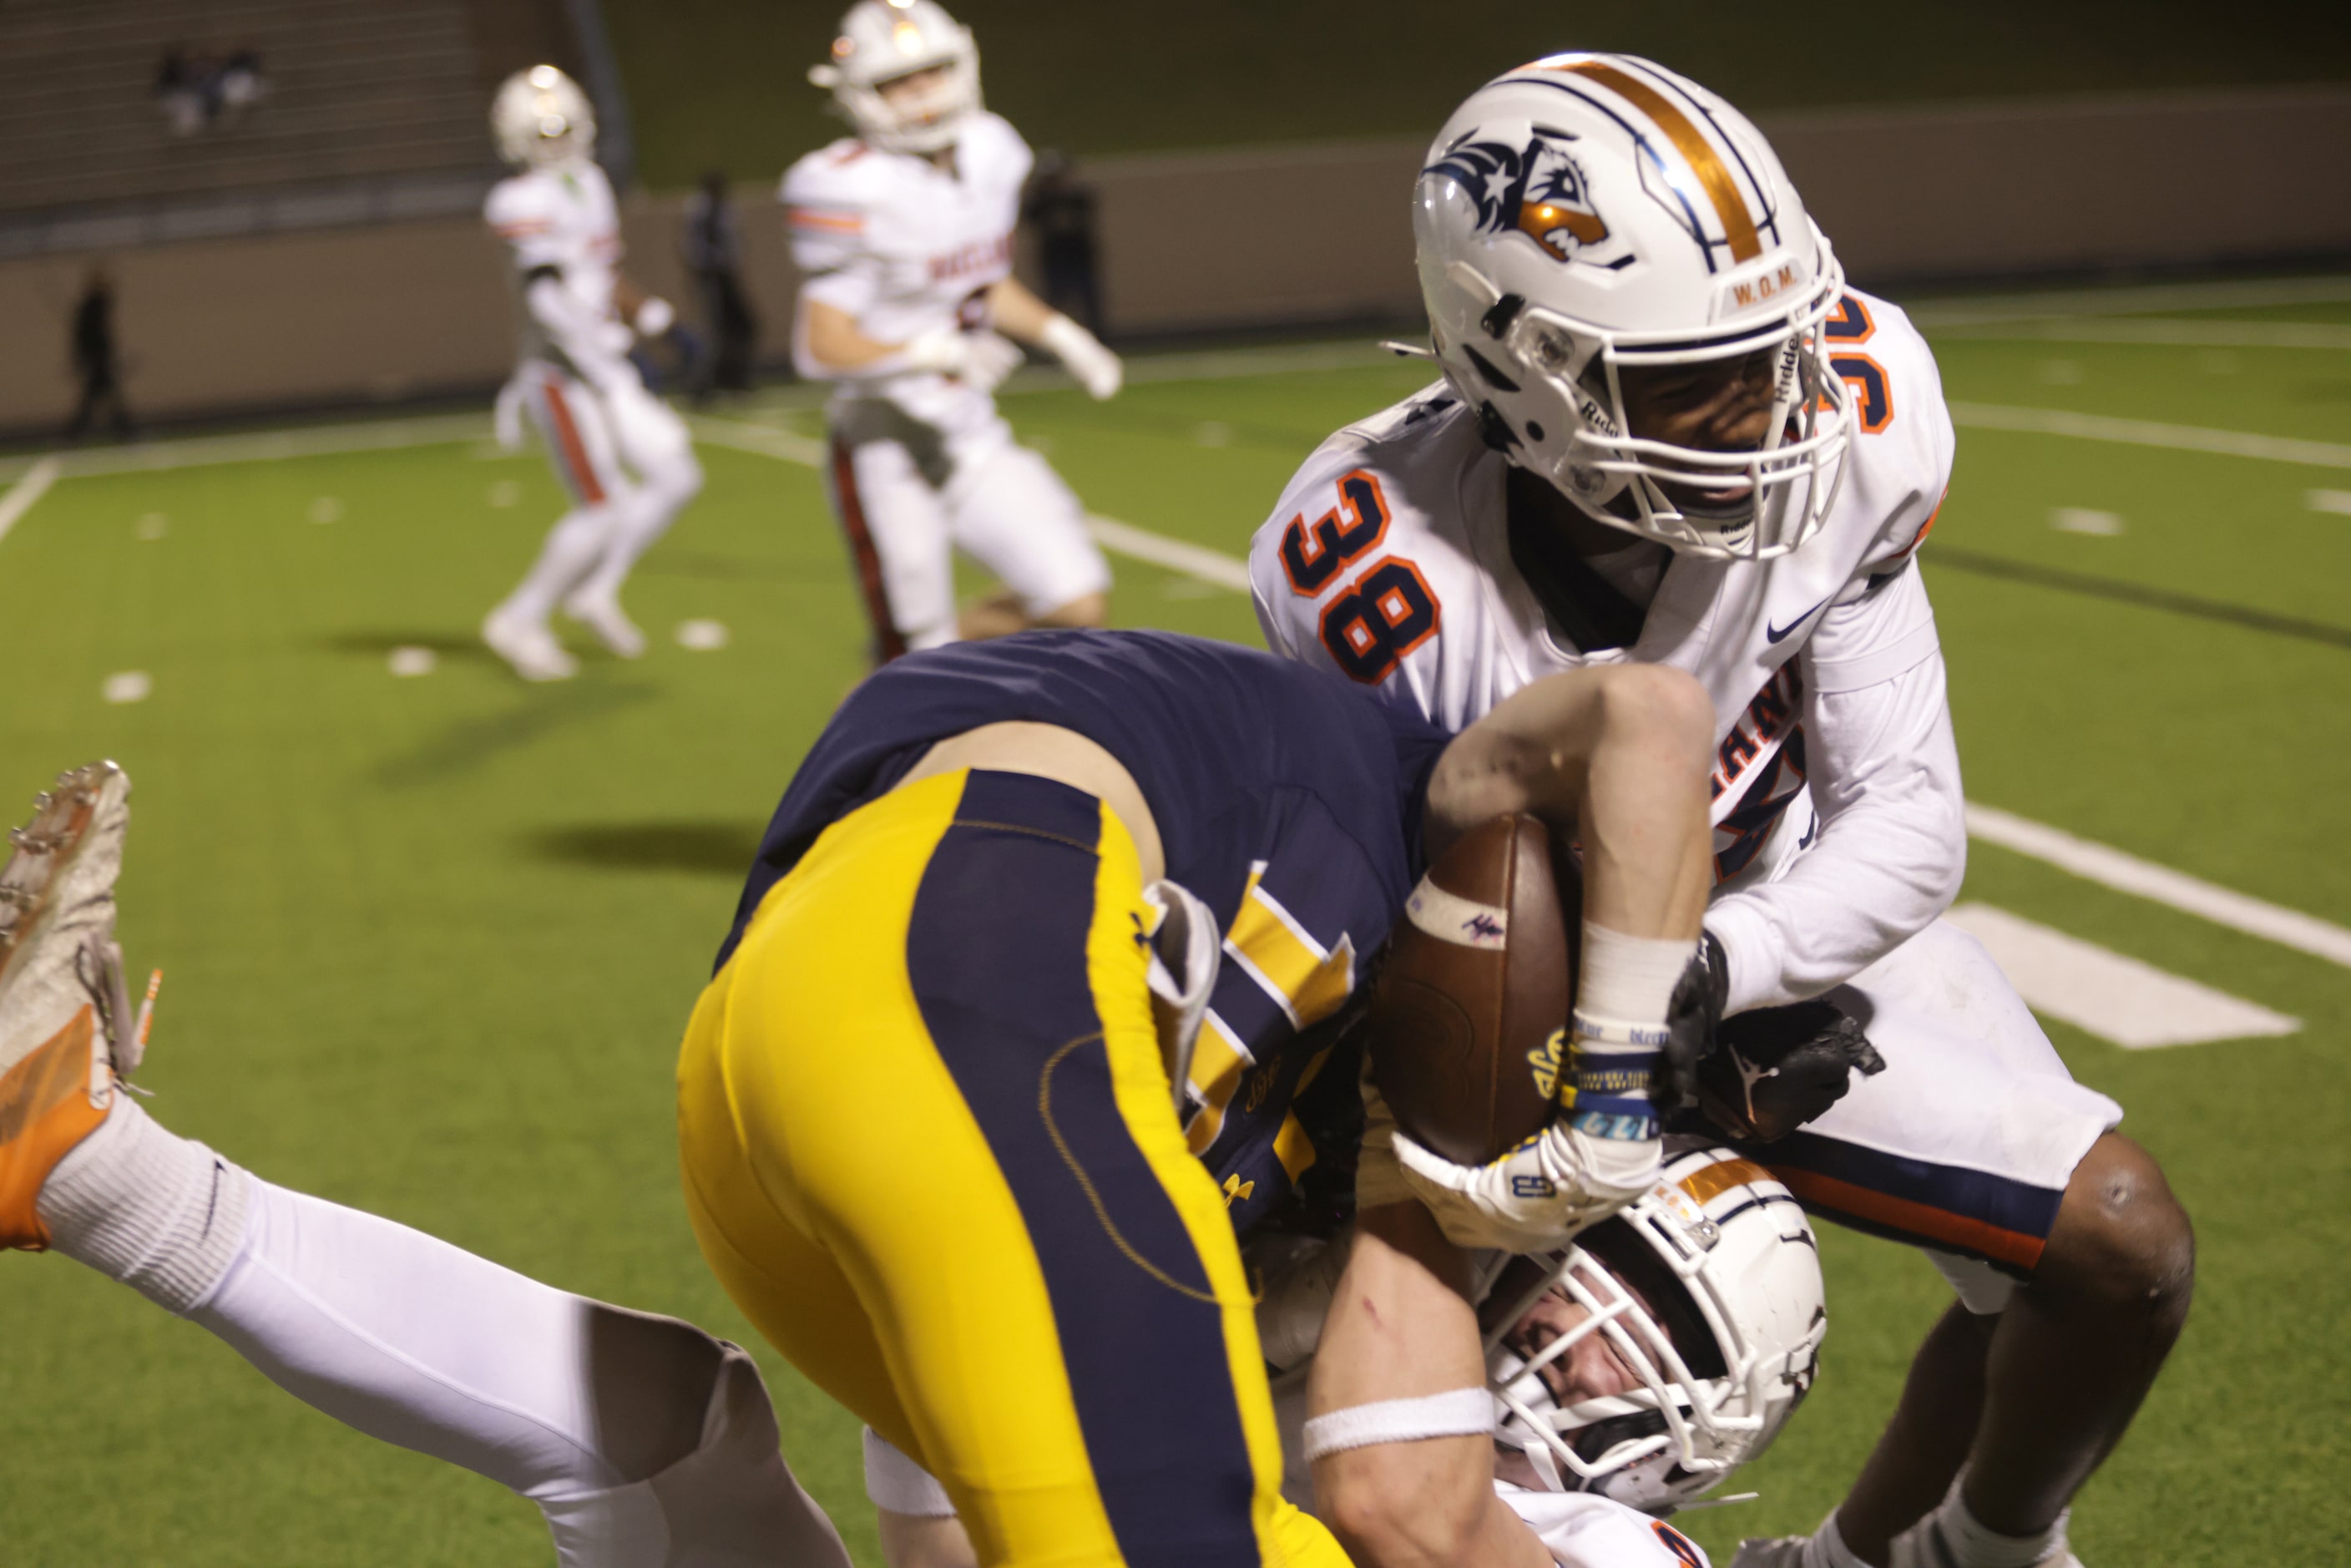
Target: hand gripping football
{"x":1468,"y":1023}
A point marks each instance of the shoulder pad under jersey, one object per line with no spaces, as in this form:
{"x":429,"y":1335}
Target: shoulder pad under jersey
{"x":829,"y":196}
{"x":1898,"y":464}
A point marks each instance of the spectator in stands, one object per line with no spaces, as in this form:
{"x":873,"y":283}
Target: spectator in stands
{"x":95,"y":361}
{"x":1060,"y":208}
{"x":240,"y":84}
{"x":714,"y":254}
{"x":180,"y":91}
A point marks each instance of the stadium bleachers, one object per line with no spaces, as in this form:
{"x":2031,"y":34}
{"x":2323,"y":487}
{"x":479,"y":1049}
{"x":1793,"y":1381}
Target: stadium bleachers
{"x":372,"y":110}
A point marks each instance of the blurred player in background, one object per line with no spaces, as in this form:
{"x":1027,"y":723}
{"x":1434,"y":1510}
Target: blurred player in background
{"x":623,"y":456}
{"x":904,"y":234}
{"x":1668,"y":433}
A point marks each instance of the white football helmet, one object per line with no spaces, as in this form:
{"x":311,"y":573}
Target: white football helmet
{"x":541,"y":118}
{"x":1709,"y":1288}
{"x":882,"y":40}
{"x":1590,"y":215}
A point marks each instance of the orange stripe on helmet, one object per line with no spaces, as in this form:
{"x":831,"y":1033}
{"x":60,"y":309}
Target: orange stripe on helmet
{"x":1721,"y":188}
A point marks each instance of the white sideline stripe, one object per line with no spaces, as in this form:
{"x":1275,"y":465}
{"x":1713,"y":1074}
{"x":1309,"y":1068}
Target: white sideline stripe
{"x":2059,"y":304}
{"x":2170,"y":334}
{"x":2135,"y":1006}
{"x":26,"y":491}
{"x":1210,"y":566}
{"x":2148,"y":433}
{"x":2124,"y":873}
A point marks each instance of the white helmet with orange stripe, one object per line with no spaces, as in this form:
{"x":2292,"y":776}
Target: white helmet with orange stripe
{"x":1589,"y":223}
{"x":540,"y":117}
{"x":903,"y":73}
{"x":1704,"y":1297}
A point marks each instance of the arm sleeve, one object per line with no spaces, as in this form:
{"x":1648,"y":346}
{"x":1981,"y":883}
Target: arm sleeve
{"x":1883,"y":770}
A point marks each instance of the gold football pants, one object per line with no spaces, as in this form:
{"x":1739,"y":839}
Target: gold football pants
{"x":930,"y":1151}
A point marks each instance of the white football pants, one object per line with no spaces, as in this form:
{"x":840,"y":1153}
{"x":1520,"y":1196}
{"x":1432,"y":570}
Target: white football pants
{"x":910,"y":493}
{"x":645,"y":1442}
{"x":628,"y":461}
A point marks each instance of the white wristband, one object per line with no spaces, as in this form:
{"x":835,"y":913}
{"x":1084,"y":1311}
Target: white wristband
{"x":895,"y":1483}
{"x":1458,"y":1412}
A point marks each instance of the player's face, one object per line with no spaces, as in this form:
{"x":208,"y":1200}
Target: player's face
{"x":1710,"y":405}
{"x":913,"y":92}
{"x":1593,"y":1368}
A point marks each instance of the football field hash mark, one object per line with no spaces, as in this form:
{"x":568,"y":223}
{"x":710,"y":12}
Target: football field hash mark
{"x":2132,"y":1004}
{"x":411,"y":661}
{"x":154,"y":526}
{"x":2083,"y":520}
{"x":327,"y":509}
{"x":2336,"y":501}
{"x":702,"y":636}
{"x":127,"y":687}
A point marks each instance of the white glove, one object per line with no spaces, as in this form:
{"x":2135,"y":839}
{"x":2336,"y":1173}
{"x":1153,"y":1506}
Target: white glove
{"x":505,"y":417}
{"x":1536,"y":1196}
{"x":1098,"y":370}
{"x":980,"y":360}
{"x":653,"y":317}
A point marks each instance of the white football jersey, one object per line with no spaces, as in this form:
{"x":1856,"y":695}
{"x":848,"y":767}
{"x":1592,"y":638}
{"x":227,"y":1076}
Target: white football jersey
{"x":1390,"y":560}
{"x":564,"y":218}
{"x":902,"y":246}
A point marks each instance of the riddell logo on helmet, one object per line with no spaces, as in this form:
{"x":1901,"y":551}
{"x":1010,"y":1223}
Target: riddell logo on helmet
{"x":1538,"y":190}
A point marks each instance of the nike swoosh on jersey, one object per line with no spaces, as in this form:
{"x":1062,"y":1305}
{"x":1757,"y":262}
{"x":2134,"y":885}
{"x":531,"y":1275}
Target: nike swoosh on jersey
{"x":1780,"y":633}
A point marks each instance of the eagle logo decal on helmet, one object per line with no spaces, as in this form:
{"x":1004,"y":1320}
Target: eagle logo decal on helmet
{"x":1539,"y":190}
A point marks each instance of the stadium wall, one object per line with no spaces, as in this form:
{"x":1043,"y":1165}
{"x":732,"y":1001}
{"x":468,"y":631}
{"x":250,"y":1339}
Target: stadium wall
{"x":1294,"y":236}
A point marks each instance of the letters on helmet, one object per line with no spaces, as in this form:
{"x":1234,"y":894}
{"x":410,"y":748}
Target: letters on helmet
{"x":1538,"y":190}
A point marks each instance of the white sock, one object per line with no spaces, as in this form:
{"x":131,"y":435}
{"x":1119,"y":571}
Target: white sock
{"x":573,"y":547}
{"x":1967,"y":1542}
{"x":1827,"y":1548}
{"x":1629,"y":979}
{"x":161,"y":1213}
{"x":639,"y":525}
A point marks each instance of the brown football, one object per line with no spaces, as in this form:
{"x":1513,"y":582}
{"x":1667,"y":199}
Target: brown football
{"x":1468,"y":1018}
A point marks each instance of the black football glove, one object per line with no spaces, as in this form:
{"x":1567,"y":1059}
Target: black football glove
{"x":1776,"y":1069}
{"x":1693,"y":1018}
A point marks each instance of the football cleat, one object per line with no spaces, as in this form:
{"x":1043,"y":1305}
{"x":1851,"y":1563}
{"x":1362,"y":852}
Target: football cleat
{"x":1778,"y":1552}
{"x":601,"y":613}
{"x":527,"y":646}
{"x":66,"y":1032}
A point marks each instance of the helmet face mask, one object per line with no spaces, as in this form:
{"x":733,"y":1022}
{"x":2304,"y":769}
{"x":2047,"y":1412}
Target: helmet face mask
{"x":1589,"y":219}
{"x":1715,"y":1325}
{"x":882,"y":47}
{"x":540,"y":118}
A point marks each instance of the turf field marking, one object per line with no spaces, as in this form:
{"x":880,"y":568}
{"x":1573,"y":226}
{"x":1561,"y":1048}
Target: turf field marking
{"x":2084,"y":520}
{"x":127,"y":687}
{"x":2111,"y":867}
{"x":25,"y":491}
{"x":2062,"y":303}
{"x":2123,"y":593}
{"x":2336,"y":501}
{"x":2135,"y":1005}
{"x":2148,"y":432}
{"x":407,"y":662}
{"x":2159,"y":333}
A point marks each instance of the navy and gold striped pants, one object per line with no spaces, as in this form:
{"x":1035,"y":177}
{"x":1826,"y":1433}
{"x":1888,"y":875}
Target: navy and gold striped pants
{"x":929,"y":1149}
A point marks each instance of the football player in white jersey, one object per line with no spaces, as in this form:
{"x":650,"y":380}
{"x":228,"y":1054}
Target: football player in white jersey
{"x":621,"y":453}
{"x":903,"y":233}
{"x":1626,"y":1376}
{"x":1668,"y":431}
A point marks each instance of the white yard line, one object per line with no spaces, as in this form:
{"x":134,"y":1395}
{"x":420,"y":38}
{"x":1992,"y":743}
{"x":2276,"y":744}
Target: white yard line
{"x":2163,"y":333}
{"x":2110,"y":867}
{"x":759,"y":440}
{"x":1198,"y":561}
{"x":2059,"y":304}
{"x":2137,"y":1005}
{"x":31,"y":487}
{"x":2148,"y":432}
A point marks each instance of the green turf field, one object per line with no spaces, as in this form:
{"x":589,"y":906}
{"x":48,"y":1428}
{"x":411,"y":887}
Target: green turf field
{"x":429,"y":941}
